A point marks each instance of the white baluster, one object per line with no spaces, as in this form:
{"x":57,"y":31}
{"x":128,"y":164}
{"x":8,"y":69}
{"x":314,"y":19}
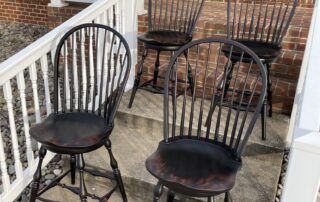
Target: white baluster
{"x":99,"y":56}
{"x":109,"y":14}
{"x":22,"y":88}
{"x":104,"y":18}
{"x":7,"y":91}
{"x":115,"y":69}
{"x":140,"y":7}
{"x":84,"y":67}
{"x":112,"y":17}
{"x":75,"y":70}
{"x":118,"y":17}
{"x":66,"y":74}
{"x":91,"y":65}
{"x":59,"y":95}
{"x":44,"y":68}
{"x":59,"y":99}
{"x":33,"y":78}
{"x":4,"y":172}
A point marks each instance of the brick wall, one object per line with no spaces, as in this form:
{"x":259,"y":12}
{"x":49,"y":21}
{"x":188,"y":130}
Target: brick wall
{"x":37,"y":12}
{"x":26,"y":11}
{"x":56,"y":16}
{"x":284,"y":72}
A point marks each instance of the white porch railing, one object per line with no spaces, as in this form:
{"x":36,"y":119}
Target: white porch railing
{"x":25,"y":103}
{"x":303,"y":174}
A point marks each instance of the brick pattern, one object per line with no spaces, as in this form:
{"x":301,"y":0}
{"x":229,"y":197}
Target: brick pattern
{"x":56,"y":16}
{"x":37,"y":12}
{"x":284,"y":71}
{"x":25,"y":11}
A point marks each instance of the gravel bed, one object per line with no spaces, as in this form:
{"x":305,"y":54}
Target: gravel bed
{"x":13,"y":38}
{"x":16,"y":36}
{"x":282,"y":175}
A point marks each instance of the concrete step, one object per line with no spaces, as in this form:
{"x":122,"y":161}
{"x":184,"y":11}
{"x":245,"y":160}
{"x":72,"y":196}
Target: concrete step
{"x":256,"y":181}
{"x":136,"y":135}
{"x":147,"y":110}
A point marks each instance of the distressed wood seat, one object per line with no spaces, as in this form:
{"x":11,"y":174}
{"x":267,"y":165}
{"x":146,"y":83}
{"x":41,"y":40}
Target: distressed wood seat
{"x":265,"y":51}
{"x":168,"y":40}
{"x":192,"y":167}
{"x":72,"y":133}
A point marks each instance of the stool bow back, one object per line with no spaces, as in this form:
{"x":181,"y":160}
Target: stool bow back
{"x":264,"y":21}
{"x":201,"y":159}
{"x":91,"y":69}
{"x":173,"y":15}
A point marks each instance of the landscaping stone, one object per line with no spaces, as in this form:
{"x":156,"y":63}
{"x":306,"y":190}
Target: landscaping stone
{"x":57,"y":171}
{"x":49,"y":177}
{"x":282,"y":175}
{"x":13,"y":38}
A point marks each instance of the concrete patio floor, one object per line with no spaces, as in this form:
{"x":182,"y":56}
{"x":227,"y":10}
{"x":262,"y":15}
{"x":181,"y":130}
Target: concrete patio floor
{"x":136,"y":135}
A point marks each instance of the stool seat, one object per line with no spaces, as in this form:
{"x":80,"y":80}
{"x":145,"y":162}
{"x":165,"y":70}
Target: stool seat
{"x":165,"y":38}
{"x":265,"y":51}
{"x":193,"y":167}
{"x":71,"y":133}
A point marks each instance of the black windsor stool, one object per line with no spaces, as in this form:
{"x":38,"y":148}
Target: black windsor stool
{"x":91,"y":69}
{"x":261,"y":26}
{"x":198,"y":160}
{"x":170,"y":26}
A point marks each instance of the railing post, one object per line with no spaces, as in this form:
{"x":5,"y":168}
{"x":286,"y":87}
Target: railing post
{"x":303,"y":176}
{"x":58,"y":3}
{"x":302,"y":179}
{"x":130,"y":30}
{"x":140,"y":7}
{"x":306,"y":110}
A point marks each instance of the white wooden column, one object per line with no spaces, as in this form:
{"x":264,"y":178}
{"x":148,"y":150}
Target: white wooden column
{"x":130,"y":31}
{"x":305,"y":115}
{"x":303,"y":177}
{"x":58,"y":3}
{"x":140,"y":7}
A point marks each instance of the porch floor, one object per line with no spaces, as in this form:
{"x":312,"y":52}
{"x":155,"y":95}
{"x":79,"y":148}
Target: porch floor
{"x":136,"y":135}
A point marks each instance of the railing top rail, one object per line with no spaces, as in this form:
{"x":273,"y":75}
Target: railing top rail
{"x":16,"y":63}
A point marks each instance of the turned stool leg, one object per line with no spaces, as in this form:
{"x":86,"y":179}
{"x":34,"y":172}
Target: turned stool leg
{"x":83,"y":189}
{"x":158,"y":190}
{"x":227,"y":197}
{"x":156,"y":69}
{"x":73,"y":168}
{"x":37,"y":175}
{"x":211,"y":199}
{"x":170,"y":197}
{"x":116,"y":171}
{"x":138,"y":77}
